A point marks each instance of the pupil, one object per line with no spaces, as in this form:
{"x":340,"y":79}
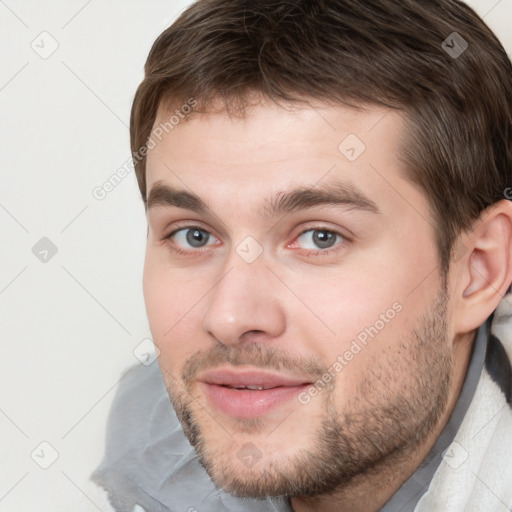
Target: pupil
{"x":323,"y":238}
{"x":196,"y":237}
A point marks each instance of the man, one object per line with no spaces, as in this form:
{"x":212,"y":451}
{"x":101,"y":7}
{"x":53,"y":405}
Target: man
{"x":326,"y":184}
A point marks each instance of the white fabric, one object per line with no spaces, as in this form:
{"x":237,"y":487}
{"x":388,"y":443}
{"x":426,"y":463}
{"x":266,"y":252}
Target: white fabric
{"x":476,"y":473}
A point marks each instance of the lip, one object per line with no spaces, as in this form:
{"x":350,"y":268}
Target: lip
{"x":219,"y":386}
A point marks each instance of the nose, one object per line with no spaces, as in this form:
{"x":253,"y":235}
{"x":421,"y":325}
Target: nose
{"x":245,"y":305}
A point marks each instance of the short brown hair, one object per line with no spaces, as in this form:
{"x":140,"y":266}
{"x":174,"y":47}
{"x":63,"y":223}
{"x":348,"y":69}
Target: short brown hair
{"x":458,"y":106}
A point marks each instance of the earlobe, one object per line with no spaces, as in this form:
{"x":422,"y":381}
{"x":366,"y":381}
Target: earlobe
{"x":486,"y":271}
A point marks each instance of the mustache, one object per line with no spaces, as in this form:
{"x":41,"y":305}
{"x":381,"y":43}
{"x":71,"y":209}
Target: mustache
{"x":262,"y":356}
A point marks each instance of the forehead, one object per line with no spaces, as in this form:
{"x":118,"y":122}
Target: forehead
{"x":271,"y":132}
{"x":273,"y":149}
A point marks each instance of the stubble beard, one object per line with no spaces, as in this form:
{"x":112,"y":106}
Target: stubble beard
{"x":384,"y":423}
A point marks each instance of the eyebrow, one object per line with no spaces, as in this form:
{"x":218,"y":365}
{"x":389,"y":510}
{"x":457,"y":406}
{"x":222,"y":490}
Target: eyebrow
{"x":337,"y":193}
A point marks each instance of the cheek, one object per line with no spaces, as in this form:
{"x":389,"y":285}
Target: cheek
{"x":368,"y":307}
{"x":156,"y":297}
{"x":173,"y":308}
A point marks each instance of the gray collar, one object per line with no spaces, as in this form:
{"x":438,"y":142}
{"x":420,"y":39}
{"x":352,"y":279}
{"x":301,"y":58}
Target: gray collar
{"x":407,"y":497}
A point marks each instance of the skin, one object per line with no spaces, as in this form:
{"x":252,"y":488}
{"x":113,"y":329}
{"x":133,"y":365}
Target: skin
{"x":295,"y":309}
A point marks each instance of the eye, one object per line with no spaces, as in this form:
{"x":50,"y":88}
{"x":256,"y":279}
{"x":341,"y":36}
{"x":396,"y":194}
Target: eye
{"x":190,"y":240}
{"x":320,"y":240}
{"x":194,"y":236}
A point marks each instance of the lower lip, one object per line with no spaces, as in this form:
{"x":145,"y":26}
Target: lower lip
{"x":247,"y":403}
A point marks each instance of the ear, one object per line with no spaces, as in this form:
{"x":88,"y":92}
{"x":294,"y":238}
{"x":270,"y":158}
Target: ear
{"x":484,"y":273}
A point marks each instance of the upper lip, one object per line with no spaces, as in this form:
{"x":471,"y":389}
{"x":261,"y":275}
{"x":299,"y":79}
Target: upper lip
{"x":250,"y":377}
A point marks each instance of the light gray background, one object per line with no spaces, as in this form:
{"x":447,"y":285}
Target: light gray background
{"x":71,"y":324}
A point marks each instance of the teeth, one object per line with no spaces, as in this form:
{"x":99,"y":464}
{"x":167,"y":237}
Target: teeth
{"x":253,"y":388}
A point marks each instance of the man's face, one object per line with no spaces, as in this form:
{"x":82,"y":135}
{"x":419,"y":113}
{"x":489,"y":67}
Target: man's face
{"x":303,"y":338}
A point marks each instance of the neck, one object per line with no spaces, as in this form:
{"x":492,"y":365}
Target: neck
{"x":370,"y":491}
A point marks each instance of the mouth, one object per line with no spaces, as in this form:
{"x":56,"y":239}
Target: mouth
{"x":249,"y":393}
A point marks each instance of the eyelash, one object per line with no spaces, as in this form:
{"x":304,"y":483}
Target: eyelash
{"x":311,"y":252}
